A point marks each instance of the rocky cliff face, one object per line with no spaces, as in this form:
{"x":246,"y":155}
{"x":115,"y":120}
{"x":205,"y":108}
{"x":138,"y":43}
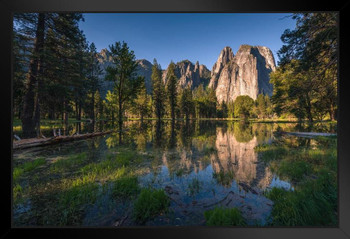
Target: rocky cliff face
{"x":246,"y":73}
{"x":145,"y":69}
{"x":189,"y":75}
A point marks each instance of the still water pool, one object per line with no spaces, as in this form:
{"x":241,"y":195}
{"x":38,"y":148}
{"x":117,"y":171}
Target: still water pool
{"x":198,"y":165}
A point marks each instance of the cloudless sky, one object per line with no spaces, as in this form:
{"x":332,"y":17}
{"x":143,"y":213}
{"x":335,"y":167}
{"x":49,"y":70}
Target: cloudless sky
{"x":179,"y":36}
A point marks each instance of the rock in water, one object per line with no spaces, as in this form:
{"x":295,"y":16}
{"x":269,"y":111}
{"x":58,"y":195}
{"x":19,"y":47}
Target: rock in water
{"x":246,"y":73}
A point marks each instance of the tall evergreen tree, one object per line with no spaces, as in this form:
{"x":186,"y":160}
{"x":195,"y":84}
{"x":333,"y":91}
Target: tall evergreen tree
{"x":93,"y":73}
{"x":313,"y":45}
{"x":186,"y":104}
{"x":158,"y":94}
{"x":123,"y":73}
{"x":171,"y":89}
{"x":30,"y":117}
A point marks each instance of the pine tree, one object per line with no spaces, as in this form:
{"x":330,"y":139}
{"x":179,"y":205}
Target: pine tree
{"x":31,"y":110}
{"x":140,"y":104}
{"x":186,"y":103}
{"x":93,"y":73}
{"x":123,"y":73}
{"x":158,"y":94}
{"x":171,"y":89}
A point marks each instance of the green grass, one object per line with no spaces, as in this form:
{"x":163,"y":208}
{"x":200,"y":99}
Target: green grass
{"x":149,"y":204}
{"x":224,"y":178}
{"x":68,"y":163}
{"x":194,"y":186}
{"x":224,"y":217}
{"x":313,"y":203}
{"x":112,"y":168}
{"x":271,"y":152}
{"x":313,"y":172}
{"x":72,"y":201}
{"x":17,"y":191}
{"x":27,"y":167}
{"x":125,"y":188}
{"x":294,"y":169}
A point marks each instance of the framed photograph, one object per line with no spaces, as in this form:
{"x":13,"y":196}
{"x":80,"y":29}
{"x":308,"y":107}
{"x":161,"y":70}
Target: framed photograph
{"x":186,"y":119}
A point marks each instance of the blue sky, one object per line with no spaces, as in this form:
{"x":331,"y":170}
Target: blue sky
{"x":179,"y":36}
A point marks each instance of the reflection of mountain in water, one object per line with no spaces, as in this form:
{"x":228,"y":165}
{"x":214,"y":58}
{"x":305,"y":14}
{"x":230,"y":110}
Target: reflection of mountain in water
{"x":240,"y":159}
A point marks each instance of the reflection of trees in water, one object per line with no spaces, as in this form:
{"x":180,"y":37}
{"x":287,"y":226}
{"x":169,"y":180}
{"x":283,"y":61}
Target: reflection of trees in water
{"x":158,"y":137}
{"x":236,"y":157}
{"x":263,"y":132}
{"x":243,"y":131}
{"x":142,"y":135}
{"x":190,"y":147}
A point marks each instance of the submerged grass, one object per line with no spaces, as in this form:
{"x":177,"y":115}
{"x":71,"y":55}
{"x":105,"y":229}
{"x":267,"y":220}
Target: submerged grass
{"x":125,"y":188}
{"x":312,"y":168}
{"x":224,"y":178}
{"x":313,"y":203}
{"x":74,"y":199}
{"x":224,"y":217}
{"x":149,"y":204}
{"x":194,"y":186}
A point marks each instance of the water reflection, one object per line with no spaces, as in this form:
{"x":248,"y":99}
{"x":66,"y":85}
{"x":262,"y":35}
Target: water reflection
{"x":200,"y":164}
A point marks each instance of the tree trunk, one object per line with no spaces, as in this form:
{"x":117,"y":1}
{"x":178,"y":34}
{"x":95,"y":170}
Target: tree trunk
{"x":79,"y":112}
{"x":29,"y":115}
{"x":65,"y":111}
{"x":308,"y":109}
{"x":93,"y":107}
{"x":76,"y":109}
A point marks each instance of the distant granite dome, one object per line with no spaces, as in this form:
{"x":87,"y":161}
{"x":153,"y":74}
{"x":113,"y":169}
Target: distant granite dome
{"x":246,"y":73}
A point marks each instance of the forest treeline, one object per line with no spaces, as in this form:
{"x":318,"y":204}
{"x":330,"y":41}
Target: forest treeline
{"x":57,"y":76}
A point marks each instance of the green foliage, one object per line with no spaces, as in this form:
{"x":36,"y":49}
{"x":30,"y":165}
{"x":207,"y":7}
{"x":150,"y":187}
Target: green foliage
{"x":313,"y":172}
{"x":222,"y":110}
{"x":242,"y":131}
{"x":224,"y":178}
{"x":171,"y":89}
{"x":149,"y":204}
{"x":230,"y":109}
{"x":114,"y":167}
{"x":17,"y":191}
{"x":68,"y":163}
{"x":194,"y":186}
{"x":125,"y":187}
{"x":27,"y":167}
{"x":74,"y":198}
{"x":205,"y":102}
{"x":224,"y":217}
{"x":243,"y":106}
{"x":186,"y":103}
{"x":305,"y":83}
{"x":313,"y":203}
{"x":140,"y":105}
{"x":123,"y":74}
{"x":158,"y":95}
